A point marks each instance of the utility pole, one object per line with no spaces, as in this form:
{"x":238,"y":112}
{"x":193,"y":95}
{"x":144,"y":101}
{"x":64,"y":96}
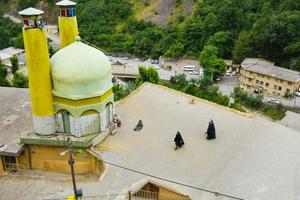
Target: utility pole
{"x":71,"y":163}
{"x":295,"y":101}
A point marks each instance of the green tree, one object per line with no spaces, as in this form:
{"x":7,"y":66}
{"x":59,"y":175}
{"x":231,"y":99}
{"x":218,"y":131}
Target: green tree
{"x":3,"y":70}
{"x":147,"y":75}
{"x":20,"y":81}
{"x":213,"y":66}
{"x":223,"y":40}
{"x":14,"y":64}
{"x":175,"y":51}
{"x":3,"y":73}
{"x":242,"y":48}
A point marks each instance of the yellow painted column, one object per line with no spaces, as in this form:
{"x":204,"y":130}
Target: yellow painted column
{"x":68,"y":30}
{"x":1,"y":166}
{"x":38,"y":64}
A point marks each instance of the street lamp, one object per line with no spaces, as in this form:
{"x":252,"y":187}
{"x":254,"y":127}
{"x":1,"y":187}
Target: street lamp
{"x":71,"y":163}
{"x":295,"y":101}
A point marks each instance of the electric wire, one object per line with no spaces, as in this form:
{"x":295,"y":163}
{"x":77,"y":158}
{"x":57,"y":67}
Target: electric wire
{"x":172,"y":181}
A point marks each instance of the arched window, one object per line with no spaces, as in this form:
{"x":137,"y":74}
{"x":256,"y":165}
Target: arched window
{"x":89,"y":122}
{"x":109,"y":113}
{"x":66,"y":121}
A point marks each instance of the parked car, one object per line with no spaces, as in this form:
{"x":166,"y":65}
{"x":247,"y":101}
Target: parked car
{"x":194,"y":73}
{"x":125,"y":58}
{"x":227,"y":73}
{"x":136,"y":59}
{"x":274,"y":100}
{"x":152,"y":61}
{"x":157,"y":67}
{"x":156,"y":62}
{"x":297,"y":94}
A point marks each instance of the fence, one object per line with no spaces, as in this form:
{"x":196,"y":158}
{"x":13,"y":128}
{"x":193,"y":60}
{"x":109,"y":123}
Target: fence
{"x":14,"y":167}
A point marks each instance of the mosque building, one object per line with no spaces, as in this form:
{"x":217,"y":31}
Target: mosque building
{"x":71,"y":96}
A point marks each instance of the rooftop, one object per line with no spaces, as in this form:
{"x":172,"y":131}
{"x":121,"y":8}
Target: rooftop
{"x":291,"y":120}
{"x":241,"y":162}
{"x":31,"y":12}
{"x":66,"y":3}
{"x":268,"y":68}
{"x":252,"y":157}
{"x":12,"y":51}
{"x":15,"y":108}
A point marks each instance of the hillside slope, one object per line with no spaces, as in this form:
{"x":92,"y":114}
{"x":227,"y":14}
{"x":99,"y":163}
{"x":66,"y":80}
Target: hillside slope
{"x":160,"y":12}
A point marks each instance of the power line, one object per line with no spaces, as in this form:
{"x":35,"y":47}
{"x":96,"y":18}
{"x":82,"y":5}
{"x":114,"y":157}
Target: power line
{"x":89,"y":197}
{"x":171,"y":181}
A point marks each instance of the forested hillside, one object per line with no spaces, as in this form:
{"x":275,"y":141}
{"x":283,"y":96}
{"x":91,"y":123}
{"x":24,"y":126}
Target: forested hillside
{"x":236,"y":29}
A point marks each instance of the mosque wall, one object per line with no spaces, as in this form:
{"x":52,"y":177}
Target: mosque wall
{"x":165,"y":194}
{"x":85,"y":125}
{"x":1,"y":166}
{"x":49,"y":158}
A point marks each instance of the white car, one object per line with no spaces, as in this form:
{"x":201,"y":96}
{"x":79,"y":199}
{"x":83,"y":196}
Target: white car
{"x":194,"y":73}
{"x":274,"y":100}
{"x":125,"y":58}
{"x":227,"y":73}
{"x":156,"y":67}
{"x":297,"y":94}
{"x":136,"y":59}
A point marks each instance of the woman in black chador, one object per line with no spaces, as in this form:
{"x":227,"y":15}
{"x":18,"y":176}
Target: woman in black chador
{"x":178,"y":140}
{"x":211,"y":131}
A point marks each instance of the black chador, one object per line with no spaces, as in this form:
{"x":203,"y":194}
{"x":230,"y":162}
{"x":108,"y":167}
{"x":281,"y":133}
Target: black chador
{"x":178,"y":140}
{"x":211,"y":131}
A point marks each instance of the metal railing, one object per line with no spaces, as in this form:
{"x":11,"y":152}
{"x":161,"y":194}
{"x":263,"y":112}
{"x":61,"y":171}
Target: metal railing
{"x":143,"y":194}
{"x":14,"y":167}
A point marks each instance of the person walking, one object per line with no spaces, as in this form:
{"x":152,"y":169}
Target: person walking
{"x":178,"y":140}
{"x":211,"y":131}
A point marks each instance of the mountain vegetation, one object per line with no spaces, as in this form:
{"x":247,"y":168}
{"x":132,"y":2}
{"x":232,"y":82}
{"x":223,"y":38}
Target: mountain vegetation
{"x":233,"y":29}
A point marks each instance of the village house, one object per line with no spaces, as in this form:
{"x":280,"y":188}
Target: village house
{"x":262,"y":76}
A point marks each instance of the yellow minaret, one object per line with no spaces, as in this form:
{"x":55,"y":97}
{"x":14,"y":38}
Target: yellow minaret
{"x":67,"y":22}
{"x":38,"y":64}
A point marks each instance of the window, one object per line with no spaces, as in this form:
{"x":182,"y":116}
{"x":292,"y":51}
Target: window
{"x":288,"y":90}
{"x":261,"y":83}
{"x":267,"y":84}
{"x":275,"y":87}
{"x":71,"y":12}
{"x":250,"y":79}
{"x":279,"y":88}
{"x":63,"y":12}
{"x":257,"y":81}
{"x":263,"y":76}
{"x":251,"y":72}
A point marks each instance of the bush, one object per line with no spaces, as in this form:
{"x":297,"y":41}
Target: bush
{"x":238,"y":107}
{"x":251,"y":100}
{"x":20,"y":81}
{"x":147,"y":75}
{"x":4,"y":82}
{"x":275,"y":113}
